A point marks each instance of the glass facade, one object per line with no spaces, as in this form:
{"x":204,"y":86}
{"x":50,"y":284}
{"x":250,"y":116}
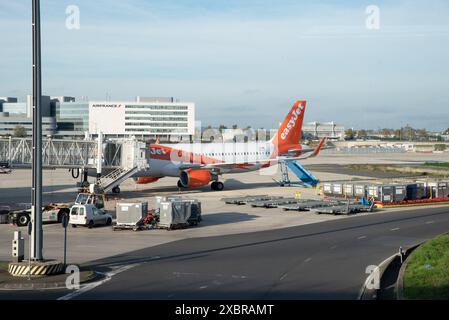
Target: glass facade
{"x":156,"y":119}
{"x":15,"y":108}
{"x":156,"y":107}
{"x":72,"y":117}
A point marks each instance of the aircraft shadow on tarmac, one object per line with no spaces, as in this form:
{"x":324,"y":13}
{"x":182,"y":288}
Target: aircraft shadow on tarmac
{"x":230,"y":184}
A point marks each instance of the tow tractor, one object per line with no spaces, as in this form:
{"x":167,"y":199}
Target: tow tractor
{"x":50,"y":213}
{"x":54,"y":212}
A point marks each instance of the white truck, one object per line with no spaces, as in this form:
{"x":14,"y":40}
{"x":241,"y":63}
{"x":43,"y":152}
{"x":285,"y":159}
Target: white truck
{"x":88,"y":215}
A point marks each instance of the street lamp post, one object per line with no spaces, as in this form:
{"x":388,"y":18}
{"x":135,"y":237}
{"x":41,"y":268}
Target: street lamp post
{"x":36,"y":219}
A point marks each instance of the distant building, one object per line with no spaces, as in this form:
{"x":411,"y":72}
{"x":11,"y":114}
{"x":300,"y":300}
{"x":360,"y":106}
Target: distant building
{"x":319,"y":130}
{"x":46,"y":106}
{"x":8,"y":122}
{"x":72,"y":118}
{"x":155,"y":99}
{"x":19,"y":114}
{"x":7,"y":99}
{"x":62,"y":99}
{"x":15,"y":108}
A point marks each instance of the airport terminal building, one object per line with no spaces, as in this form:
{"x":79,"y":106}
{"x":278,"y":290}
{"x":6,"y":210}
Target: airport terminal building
{"x":145,"y":118}
{"x":63,"y":117}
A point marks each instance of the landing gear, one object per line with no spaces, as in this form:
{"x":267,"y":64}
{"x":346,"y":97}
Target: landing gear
{"x":85,"y":182}
{"x":116,"y":189}
{"x":217,"y":186}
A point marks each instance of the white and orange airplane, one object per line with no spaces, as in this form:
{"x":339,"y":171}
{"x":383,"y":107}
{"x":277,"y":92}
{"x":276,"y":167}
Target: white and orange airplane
{"x":198,"y":164}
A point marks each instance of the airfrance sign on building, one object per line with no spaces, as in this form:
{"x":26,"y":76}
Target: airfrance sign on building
{"x":142,"y":118}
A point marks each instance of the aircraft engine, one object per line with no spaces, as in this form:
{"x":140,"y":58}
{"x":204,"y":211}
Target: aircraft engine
{"x":195,"y":178}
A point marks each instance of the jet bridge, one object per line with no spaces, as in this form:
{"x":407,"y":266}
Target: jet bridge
{"x":113,"y":160}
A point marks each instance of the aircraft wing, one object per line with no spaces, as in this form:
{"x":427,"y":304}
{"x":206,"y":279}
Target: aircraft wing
{"x":222,"y":165}
{"x":311,"y":152}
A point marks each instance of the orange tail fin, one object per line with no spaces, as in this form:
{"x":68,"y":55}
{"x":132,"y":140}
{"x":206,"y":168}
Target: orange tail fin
{"x":289,"y":133}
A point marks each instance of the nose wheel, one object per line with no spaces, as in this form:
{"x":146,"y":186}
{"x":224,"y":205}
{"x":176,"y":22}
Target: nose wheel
{"x":217,"y":186}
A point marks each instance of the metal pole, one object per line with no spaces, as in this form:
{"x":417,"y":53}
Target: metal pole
{"x":99,"y":154}
{"x":36,"y":218}
{"x":9,"y":151}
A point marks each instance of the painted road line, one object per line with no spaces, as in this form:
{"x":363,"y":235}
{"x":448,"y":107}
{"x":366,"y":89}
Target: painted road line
{"x":93,"y":285}
{"x":394,"y":229}
{"x":283,"y":276}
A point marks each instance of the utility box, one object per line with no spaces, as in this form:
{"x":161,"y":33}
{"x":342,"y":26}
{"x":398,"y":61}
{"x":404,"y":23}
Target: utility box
{"x":131,"y":213}
{"x":18,"y":247}
{"x":174,"y":214}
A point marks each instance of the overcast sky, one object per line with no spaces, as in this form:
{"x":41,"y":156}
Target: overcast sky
{"x":243,"y":62}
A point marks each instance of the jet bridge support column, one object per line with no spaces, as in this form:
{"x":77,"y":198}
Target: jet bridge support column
{"x":99,"y":154}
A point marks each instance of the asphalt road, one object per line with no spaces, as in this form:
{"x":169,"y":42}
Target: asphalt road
{"x":319,"y":261}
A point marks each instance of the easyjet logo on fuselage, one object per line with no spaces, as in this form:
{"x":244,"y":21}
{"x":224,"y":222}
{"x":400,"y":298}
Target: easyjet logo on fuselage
{"x":292,"y":122}
{"x":158,"y":151}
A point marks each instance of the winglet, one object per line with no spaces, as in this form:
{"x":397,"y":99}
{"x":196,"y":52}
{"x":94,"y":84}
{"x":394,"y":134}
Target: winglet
{"x":320,"y":146}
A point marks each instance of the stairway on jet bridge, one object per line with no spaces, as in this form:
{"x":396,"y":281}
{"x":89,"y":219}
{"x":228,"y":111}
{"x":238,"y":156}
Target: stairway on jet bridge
{"x":134,"y":159}
{"x":115,"y":178}
{"x":306,"y":177}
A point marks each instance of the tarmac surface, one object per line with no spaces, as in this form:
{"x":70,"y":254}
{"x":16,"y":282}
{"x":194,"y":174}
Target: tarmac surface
{"x":317,"y":261}
{"x":237,"y":251}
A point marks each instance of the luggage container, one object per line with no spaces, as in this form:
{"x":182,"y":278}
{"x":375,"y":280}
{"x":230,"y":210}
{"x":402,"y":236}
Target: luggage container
{"x":360,"y":190}
{"x":399,"y":192}
{"x":131,"y":213}
{"x":387,"y":193}
{"x":437,"y":189}
{"x":4,"y":218}
{"x":348,"y":190}
{"x":327,"y":189}
{"x":337,"y":189}
{"x":160,"y":199}
{"x":195,"y":212}
{"x":374,"y":191}
{"x":416,"y":191}
{"x":379,"y":192}
{"x":444,"y":187}
{"x":174,"y":214}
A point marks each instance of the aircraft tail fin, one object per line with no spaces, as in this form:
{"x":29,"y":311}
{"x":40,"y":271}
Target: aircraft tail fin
{"x":290,"y":131}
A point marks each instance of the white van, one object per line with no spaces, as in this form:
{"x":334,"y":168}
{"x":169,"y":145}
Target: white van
{"x":88,"y":215}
